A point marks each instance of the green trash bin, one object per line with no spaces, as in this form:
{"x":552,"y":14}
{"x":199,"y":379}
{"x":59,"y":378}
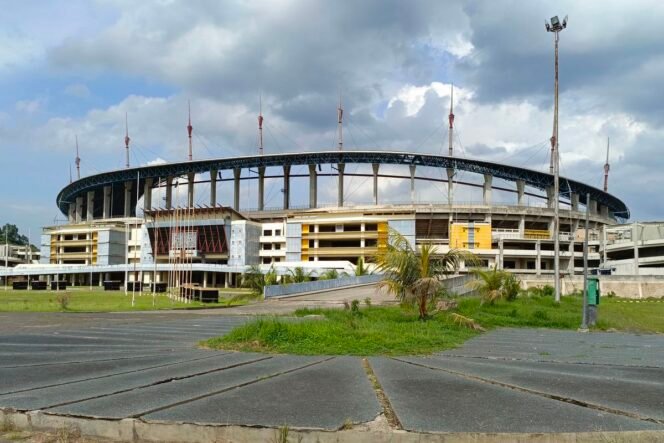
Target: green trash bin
{"x":593,"y":298}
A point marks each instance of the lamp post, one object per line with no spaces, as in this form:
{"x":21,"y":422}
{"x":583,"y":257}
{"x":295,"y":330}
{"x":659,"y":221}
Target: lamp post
{"x":556,"y":26}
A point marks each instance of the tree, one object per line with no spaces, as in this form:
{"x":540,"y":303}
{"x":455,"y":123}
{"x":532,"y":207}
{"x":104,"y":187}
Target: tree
{"x":256,"y":280}
{"x":494,"y":284}
{"x":330,"y":274}
{"x":361,"y":268}
{"x":296,"y":275}
{"x":13,"y":235}
{"x":414,"y":274}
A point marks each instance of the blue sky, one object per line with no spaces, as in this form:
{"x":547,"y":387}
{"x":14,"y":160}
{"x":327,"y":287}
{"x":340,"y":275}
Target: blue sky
{"x":75,"y":68}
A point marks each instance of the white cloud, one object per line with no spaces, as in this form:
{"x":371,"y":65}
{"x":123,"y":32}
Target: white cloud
{"x":78,"y":90}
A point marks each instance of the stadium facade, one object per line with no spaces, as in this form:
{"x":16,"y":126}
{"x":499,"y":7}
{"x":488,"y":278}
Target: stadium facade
{"x":116,"y":230}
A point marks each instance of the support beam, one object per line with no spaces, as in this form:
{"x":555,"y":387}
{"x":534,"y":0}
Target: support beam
{"x":107,"y":201}
{"x":574,"y":201}
{"x":550,"y":197}
{"x":286,"y":188}
{"x":71,"y":214}
{"x":79,"y":209}
{"x":604,"y":211}
{"x":635,"y":240}
{"x":450,"y":185}
{"x":375,"y":167}
{"x":593,"y":206}
{"x":191,"y":178}
{"x":127,"y":198}
{"x":486,"y":191}
{"x":522,"y":226}
{"x":90,"y":206}
{"x":501,"y":250}
{"x":313,"y":187}
{"x":538,"y":259}
{"x":236,"y":188}
{"x":412,"y":183}
{"x":340,"y":188}
{"x":169,"y":192}
{"x":147,"y":195}
{"x":213,"y":187}
{"x":520,"y":192}
{"x":261,"y":188}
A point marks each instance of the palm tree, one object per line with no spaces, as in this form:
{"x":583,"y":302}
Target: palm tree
{"x":296,"y":275}
{"x":361,"y":268}
{"x":495,"y":284}
{"x":330,"y":274}
{"x":414,"y":275}
{"x":256,"y":280}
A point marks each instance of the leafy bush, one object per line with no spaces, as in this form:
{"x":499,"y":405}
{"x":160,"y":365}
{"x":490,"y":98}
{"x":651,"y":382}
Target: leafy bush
{"x":355,"y":307}
{"x":367,"y":301}
{"x":496,"y":284}
{"x":63,"y":300}
{"x":540,"y":315}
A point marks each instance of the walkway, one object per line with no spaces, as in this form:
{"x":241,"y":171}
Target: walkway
{"x":146,"y":366}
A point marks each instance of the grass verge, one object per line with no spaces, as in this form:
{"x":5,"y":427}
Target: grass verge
{"x":380,"y":330}
{"x":84,"y":300}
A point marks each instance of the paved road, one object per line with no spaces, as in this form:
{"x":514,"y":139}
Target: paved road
{"x":146,"y":366}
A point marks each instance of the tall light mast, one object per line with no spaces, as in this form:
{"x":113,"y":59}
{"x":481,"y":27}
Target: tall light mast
{"x":189,"y":130}
{"x":340,"y":114}
{"x":127,"y":140}
{"x":451,"y":120}
{"x":78,"y":161}
{"x":260,"y":125}
{"x":606,"y":168}
{"x":556,"y":26}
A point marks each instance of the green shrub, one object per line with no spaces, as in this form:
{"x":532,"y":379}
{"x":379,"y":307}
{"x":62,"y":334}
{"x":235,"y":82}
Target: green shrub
{"x":540,"y":315}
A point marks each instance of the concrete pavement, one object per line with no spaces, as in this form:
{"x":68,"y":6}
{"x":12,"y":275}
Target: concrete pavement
{"x":146,"y":367}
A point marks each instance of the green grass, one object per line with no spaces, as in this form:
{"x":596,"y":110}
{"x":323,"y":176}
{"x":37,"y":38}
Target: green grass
{"x":380,"y":330}
{"x":374,"y":331}
{"x":84,"y":300}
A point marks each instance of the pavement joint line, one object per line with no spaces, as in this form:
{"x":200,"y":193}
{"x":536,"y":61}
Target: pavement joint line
{"x":237,"y":386}
{"x":612,"y":365}
{"x":156,"y":383}
{"x":76,"y":362}
{"x":385,"y":404}
{"x":539,"y":393}
{"x":114,"y":374}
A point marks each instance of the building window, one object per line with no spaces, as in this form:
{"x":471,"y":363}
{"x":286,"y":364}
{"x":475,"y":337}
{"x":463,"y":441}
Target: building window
{"x":267,"y":232}
{"x":277,"y":232}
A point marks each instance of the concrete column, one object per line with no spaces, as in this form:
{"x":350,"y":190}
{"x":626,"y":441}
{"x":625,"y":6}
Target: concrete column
{"x":169,"y":192}
{"x":549,"y":197}
{"x":522,"y":226}
{"x":205,"y":278}
{"x":79,"y":209}
{"x":127,"y":198}
{"x":213,"y":187}
{"x":604,"y":253}
{"x":573,"y":229}
{"x":501,"y":248}
{"x":574,"y":201}
{"x":313,"y":186}
{"x":593,"y":206}
{"x":604,"y":211}
{"x":486,"y":192}
{"x":90,"y":206}
{"x":286,"y":186}
{"x":538,"y":259}
{"x":412,"y":183}
{"x":450,"y":185}
{"x":191,"y":177}
{"x":237,"y":172}
{"x":375,"y":167}
{"x":214,"y":279}
{"x":147,"y":195}
{"x":635,"y":242}
{"x":520,"y":192}
{"x":71,"y":214}
{"x":261,"y":188}
{"x":340,"y":188}
{"x":107,"y":201}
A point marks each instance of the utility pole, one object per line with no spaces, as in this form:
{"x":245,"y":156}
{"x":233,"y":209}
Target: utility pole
{"x":556,"y":26}
{"x":584,"y":320}
{"x":260,"y":125}
{"x":189,"y":130}
{"x":6,"y":255}
{"x":606,"y":168}
{"x":127,"y":140}
{"x":340,"y":115}
{"x":451,"y":120}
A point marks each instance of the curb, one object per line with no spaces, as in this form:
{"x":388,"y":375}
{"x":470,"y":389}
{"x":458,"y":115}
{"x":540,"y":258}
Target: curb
{"x":137,"y":430}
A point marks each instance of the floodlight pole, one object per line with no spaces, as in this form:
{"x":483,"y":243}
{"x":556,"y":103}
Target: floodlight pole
{"x":556,"y":27}
{"x":584,"y":320}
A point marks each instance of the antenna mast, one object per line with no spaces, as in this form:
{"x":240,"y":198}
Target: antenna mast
{"x":78,"y":161}
{"x":451,"y":120}
{"x":127,"y":139}
{"x":260,"y":125}
{"x":340,"y":113}
{"x":606,"y":167}
{"x":70,"y":180}
{"x":189,"y":129}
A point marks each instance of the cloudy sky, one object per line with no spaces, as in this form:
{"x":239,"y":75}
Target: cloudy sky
{"x":75,"y":68}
